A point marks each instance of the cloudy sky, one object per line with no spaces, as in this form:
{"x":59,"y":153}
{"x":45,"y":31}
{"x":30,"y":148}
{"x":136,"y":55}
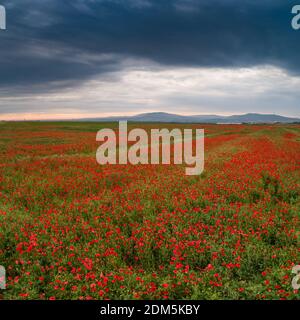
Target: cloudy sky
{"x":78,"y":58}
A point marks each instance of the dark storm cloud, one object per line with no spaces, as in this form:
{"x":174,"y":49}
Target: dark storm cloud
{"x":54,"y":41}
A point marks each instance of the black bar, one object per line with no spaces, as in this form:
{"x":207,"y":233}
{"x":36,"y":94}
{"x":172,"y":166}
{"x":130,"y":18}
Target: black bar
{"x":92,"y":310}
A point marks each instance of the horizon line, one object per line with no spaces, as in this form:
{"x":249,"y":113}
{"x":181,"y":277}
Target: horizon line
{"x":80,"y":116}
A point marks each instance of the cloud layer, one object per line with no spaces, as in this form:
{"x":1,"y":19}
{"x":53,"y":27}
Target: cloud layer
{"x":53,"y":45}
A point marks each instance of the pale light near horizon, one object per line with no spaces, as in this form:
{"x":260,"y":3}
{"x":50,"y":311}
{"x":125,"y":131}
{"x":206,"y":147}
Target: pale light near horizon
{"x":186,"y":91}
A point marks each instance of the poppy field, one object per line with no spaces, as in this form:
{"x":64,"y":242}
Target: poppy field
{"x":73,"y":229}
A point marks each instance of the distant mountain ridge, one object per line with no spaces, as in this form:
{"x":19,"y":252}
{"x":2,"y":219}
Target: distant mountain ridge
{"x":175,"y":118}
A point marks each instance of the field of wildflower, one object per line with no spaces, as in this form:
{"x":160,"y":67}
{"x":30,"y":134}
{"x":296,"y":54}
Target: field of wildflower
{"x":72,"y":229}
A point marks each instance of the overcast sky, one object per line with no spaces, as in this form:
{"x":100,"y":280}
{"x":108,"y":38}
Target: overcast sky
{"x":79,"y":58}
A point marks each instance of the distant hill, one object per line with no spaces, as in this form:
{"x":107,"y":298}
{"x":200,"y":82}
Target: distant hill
{"x":260,"y":118}
{"x":171,"y":118}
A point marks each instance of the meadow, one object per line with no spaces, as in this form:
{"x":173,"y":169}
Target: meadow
{"x":72,"y":229}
